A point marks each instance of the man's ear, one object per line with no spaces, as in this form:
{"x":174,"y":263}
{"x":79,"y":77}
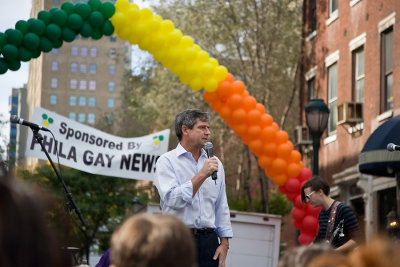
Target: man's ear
{"x":184,"y":129}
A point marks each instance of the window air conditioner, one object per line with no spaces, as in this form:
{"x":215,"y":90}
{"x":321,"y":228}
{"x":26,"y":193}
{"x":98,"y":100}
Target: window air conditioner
{"x":350,"y":113}
{"x":302,"y":135}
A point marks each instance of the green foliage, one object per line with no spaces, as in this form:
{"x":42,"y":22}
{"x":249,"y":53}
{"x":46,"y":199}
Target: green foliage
{"x":279,"y":204}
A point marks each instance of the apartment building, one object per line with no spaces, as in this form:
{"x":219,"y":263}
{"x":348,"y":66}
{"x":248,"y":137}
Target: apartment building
{"x":351,"y":61}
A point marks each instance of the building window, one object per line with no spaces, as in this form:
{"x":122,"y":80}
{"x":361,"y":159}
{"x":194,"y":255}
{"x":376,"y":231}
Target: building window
{"x":55,"y":51}
{"x":84,"y":51}
{"x":82,"y":117}
{"x":82,"y":84}
{"x":74,"y":67}
{"x":93,"y":68}
{"x":387,"y":70}
{"x":56,"y":2}
{"x":111,"y":69}
{"x":72,"y":116}
{"x":333,"y":7}
{"x":83,"y":68}
{"x":311,"y":88}
{"x":74,"y":51}
{"x":53,"y":99}
{"x":358,"y":74}
{"x":73,"y":83}
{"x":91,"y":101}
{"x":312,"y":16}
{"x":92,"y":85}
{"x":54,"y":82}
{"x":72,"y":100}
{"x":110,"y":118}
{"x":91,"y":118}
{"x":82,"y":101}
{"x":54,"y":66}
{"x":110,"y":102}
{"x":112,"y":53}
{"x":113,"y":38}
{"x":332,"y":96}
{"x":93,"y":51}
{"x":111,"y":86}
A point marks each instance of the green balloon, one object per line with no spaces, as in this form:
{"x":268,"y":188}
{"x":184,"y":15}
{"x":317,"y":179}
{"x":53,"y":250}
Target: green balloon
{"x":31,"y":41}
{"x":68,"y":7}
{"x":86,"y":29}
{"x":22,"y":26}
{"x":36,"y":53}
{"x":24,"y":54}
{"x":96,"y":19}
{"x":94,"y":4}
{"x":59,"y":17}
{"x":3,"y":66}
{"x":14,"y":65}
{"x":97,"y":34}
{"x":107,"y":28}
{"x":36,"y":26}
{"x":74,"y":21}
{"x":107,"y":9}
{"x":57,"y":43}
{"x":45,"y":44}
{"x":3,"y":39}
{"x":53,"y":31}
{"x":14,"y":36}
{"x":68,"y":35}
{"x":10,"y":52}
{"x":45,"y":16}
{"x":83,"y":10}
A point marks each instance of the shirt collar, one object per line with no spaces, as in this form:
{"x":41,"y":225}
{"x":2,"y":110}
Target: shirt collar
{"x":180,"y":150}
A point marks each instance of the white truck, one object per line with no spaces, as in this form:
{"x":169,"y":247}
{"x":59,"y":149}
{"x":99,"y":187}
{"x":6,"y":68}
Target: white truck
{"x":256,"y":238}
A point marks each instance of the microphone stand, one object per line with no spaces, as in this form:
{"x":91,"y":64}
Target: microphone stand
{"x":71,"y":205}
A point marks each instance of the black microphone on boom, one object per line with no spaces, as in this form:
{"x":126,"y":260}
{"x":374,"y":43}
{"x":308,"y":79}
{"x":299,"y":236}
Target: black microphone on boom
{"x":33,"y":126}
{"x":392,"y":147}
{"x":208,"y":147}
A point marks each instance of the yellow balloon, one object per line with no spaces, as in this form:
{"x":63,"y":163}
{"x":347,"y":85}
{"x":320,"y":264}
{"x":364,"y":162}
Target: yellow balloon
{"x":160,"y":55}
{"x":118,"y":20}
{"x":213,"y":61}
{"x":124,"y":33}
{"x":174,"y":37}
{"x":186,"y":41}
{"x":202,"y":56}
{"x":158,"y":40}
{"x":146,"y":14}
{"x":133,"y":14}
{"x":197,"y":48}
{"x":154,"y":25}
{"x":121,"y":5}
{"x":167,"y":26}
{"x":185,"y":80}
{"x":196,"y":84}
{"x":220,"y":73}
{"x":139,"y":30}
{"x":189,"y":53}
{"x":207,"y":69}
{"x":210,"y":85}
{"x":192,"y":69}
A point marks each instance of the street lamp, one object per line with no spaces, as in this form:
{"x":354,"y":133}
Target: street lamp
{"x":392,"y":224}
{"x":317,"y":115}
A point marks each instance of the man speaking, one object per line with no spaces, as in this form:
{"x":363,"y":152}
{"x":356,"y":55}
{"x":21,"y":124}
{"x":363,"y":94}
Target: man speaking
{"x":184,"y":181}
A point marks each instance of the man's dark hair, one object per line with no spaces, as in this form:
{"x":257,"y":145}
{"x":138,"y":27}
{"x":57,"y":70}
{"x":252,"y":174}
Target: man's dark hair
{"x":188,"y":117}
{"x":316,"y":183}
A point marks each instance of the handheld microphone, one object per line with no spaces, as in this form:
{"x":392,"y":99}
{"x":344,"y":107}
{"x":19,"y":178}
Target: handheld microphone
{"x":208,"y":147}
{"x":392,"y":147}
{"x":33,"y":126}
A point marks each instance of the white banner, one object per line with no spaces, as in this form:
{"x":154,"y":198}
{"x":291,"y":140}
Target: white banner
{"x":90,"y":150}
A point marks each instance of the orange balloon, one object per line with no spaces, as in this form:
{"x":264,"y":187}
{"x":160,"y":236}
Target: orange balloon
{"x":279,"y":166}
{"x":279,"y":179}
{"x":260,"y":107}
{"x":295,"y":156}
{"x":245,"y":93}
{"x":301,"y":164}
{"x":293,"y":170}
{"x":240,"y":129}
{"x":253,"y":116}
{"x":256,"y":146}
{"x":281,"y":137}
{"x":270,"y":149}
{"x":225,"y":112}
{"x":264,"y":161}
{"x":210,"y":97}
{"x":235,"y":101}
{"x":275,"y":125}
{"x":216,"y":106}
{"x":245,"y":138}
{"x":239,"y":116}
{"x":268,"y":134}
{"x":284,"y":150}
{"x":266,"y":120}
{"x":238,"y":87}
{"x":249,"y":103}
{"x":223,"y":90}
{"x":230,"y":78}
{"x":254,"y":131}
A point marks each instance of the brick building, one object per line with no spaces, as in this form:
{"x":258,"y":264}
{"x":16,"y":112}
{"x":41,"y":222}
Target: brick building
{"x":350,"y":62}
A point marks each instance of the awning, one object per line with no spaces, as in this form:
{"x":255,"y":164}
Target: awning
{"x":374,"y":158}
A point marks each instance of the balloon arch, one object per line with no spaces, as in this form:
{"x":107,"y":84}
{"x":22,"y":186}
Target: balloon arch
{"x":194,"y":67}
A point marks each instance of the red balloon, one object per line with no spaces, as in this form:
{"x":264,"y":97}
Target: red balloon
{"x":291,"y":196}
{"x":298,"y":214}
{"x":305,"y":174}
{"x":298,"y":203}
{"x":282,"y":188}
{"x":292,"y":185}
{"x":310,"y":224}
{"x":297,"y":224}
{"x":313,"y":211}
{"x":305,"y":238}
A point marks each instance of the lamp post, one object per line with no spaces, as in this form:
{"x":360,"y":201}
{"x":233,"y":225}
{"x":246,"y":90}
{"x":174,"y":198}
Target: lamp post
{"x":392,"y":224}
{"x":317,"y":115}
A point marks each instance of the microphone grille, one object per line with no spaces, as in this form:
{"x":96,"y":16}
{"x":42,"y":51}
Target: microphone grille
{"x":390,"y":147}
{"x":14,"y":119}
{"x":208,"y":145}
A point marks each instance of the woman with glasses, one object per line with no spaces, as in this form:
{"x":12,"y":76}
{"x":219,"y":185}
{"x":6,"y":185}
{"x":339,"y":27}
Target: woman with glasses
{"x":338,"y":224}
